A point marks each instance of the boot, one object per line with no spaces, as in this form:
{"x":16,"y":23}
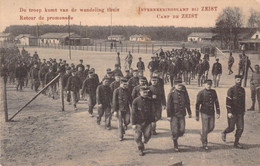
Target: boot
{"x":252,"y":108}
{"x":223,"y":136}
{"x":237,"y":144}
{"x":176,"y":148}
{"x":141,"y":152}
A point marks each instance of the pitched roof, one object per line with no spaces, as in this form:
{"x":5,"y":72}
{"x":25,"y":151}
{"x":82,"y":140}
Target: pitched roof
{"x":202,"y":34}
{"x":246,"y":35}
{"x":5,"y":34}
{"x":139,"y":36}
{"x":116,"y":36}
{"x":58,"y":35}
{"x":24,"y":35}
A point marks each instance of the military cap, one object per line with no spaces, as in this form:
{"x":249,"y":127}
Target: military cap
{"x":217,"y":59}
{"x":60,"y":59}
{"x":109,"y":72}
{"x":140,"y":58}
{"x":64,"y":61}
{"x":142,"y":79}
{"x":208,"y":81}
{"x":90,"y":72}
{"x":87,"y":65}
{"x":108,"y":69}
{"x":238,"y":76}
{"x":135,"y":70}
{"x":44,"y":59}
{"x":177,"y":81}
{"x":72,"y":64}
{"x":81,"y":60}
{"x":123,"y":80}
{"x":105,"y":78}
{"x":117,"y":75}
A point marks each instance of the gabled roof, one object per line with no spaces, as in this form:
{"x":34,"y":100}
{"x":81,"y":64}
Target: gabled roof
{"x":58,"y":35}
{"x":24,"y":35}
{"x":137,"y":36}
{"x":202,"y":34}
{"x":5,"y":34}
{"x":246,"y":35}
{"x":116,"y":36}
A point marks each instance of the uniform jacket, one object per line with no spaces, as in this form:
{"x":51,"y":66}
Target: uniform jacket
{"x":136,"y":92}
{"x":73,"y":84}
{"x":217,"y":68}
{"x":163,"y":66}
{"x":255,"y":80}
{"x":177,"y":103}
{"x":140,"y":65}
{"x":235,"y":101}
{"x":206,"y":100}
{"x":132,"y":82}
{"x":114,"y":85}
{"x":158,"y":91}
{"x":121,"y":99}
{"x":104,"y":96}
{"x":142,"y":111}
{"x":80,"y":65}
{"x":20,"y":72}
{"x":35,"y":73}
{"x":200,"y":69}
{"x":118,"y":71}
{"x":65,"y":78}
{"x":89,"y":86}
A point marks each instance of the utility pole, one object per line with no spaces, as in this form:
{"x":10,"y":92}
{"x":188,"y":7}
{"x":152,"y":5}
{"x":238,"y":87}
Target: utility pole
{"x":69,"y":37}
{"x":111,"y":22}
{"x":80,"y":32}
{"x":37,"y":33}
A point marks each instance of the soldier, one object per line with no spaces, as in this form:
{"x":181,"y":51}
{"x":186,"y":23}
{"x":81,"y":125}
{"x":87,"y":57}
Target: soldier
{"x":177,"y":103}
{"x":65,"y":78}
{"x":109,"y":76}
{"x":140,"y":65}
{"x":117,"y":70}
{"x":20,"y":74}
{"x":172,"y":72}
{"x":86,"y":71}
{"x":118,"y":61}
{"x":200,"y":73}
{"x":127,"y":75}
{"x":206,"y":100}
{"x":104,"y":101}
{"x":152,"y":66}
{"x":121,"y":106}
{"x":35,"y":79}
{"x":163,"y":67}
{"x":73,"y":87}
{"x":142,"y":117}
{"x":94,"y":74}
{"x":89,"y":87}
{"x":187,"y":70}
{"x":216,"y":72}
{"x":230,"y":63}
{"x":136,"y":90}
{"x":48,"y":77}
{"x":128,"y":60}
{"x":235,"y":103}
{"x":205,"y":67}
{"x":115,"y":84}
{"x":80,"y":65}
{"x":159,"y":101}
{"x":255,"y":88}
{"x":134,"y":81}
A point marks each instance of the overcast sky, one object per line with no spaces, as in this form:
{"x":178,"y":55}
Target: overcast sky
{"x":128,"y":12}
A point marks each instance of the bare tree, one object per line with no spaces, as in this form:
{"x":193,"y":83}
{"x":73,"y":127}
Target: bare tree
{"x":254,"y":19}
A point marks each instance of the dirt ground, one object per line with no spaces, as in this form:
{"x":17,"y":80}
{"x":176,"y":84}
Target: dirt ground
{"x":44,"y":135}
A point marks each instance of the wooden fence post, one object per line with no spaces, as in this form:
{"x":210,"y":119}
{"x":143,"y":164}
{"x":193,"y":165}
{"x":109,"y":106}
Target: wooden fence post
{"x":146,"y":48}
{"x":4,"y":99}
{"x":61,"y":92}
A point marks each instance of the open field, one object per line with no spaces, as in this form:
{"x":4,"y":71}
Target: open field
{"x":43,"y":135}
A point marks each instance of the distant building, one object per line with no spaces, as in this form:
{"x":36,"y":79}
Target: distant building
{"x":249,"y":40}
{"x":200,"y":36}
{"x":26,"y":40}
{"x":50,"y":39}
{"x":6,"y":37}
{"x":141,"y":38}
{"x":116,"y":38}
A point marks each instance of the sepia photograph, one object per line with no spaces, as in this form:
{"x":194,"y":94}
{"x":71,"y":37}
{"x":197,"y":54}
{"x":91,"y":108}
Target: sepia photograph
{"x":129,"y":83}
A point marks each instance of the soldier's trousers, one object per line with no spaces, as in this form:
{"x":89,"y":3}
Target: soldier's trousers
{"x":91,"y":102}
{"x":123,"y":118}
{"x":143,"y":129}
{"x":158,"y":116}
{"x":74,"y":97}
{"x":51,"y":90}
{"x":172,"y":77}
{"x":20,"y":83}
{"x":238,"y":121}
{"x":255,"y":93}
{"x":187,"y":77}
{"x":177,"y":126}
{"x":107,"y":112}
{"x":208,"y":125}
{"x":216,"y":79}
{"x":36,"y":84}
{"x":201,"y":79}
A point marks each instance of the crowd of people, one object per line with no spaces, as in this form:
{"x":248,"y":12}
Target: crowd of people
{"x":131,"y":97}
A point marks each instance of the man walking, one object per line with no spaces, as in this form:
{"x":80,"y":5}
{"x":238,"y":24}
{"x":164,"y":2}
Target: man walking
{"x":255,"y":88}
{"x":230,"y":63}
{"x":216,"y":72}
{"x":73,"y":87}
{"x":235,"y":103}
{"x":206,"y":100}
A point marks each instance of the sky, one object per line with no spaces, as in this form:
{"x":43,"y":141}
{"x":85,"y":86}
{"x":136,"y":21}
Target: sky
{"x":127,"y":12}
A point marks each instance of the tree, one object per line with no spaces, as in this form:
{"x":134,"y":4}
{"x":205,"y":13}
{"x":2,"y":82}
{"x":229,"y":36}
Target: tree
{"x":228,"y":25}
{"x":254,"y":19}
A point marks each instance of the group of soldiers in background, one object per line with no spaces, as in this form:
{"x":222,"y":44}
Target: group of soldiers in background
{"x":130,"y":97}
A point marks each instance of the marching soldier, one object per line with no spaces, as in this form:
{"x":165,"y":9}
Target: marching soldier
{"x":205,"y":67}
{"x":115,"y":84}
{"x":48,"y":77}
{"x":127,"y":75}
{"x":230,"y":63}
{"x":109,"y":77}
{"x":159,"y":101}
{"x":177,"y":103}
{"x":80,"y":65}
{"x":35,"y":79}
{"x":118,"y":61}
{"x":65,"y":78}
{"x":73,"y":87}
{"x":235,"y":103}
{"x":132,"y":82}
{"x":255,"y":88}
{"x":200,"y":73}
{"x":152,"y":66}
{"x":89,"y":87}
{"x":121,"y":106}
{"x":142,"y":117}
{"x":117,"y":70}
{"x":206,"y":100}
{"x":136,"y":90}
{"x":20,"y":74}
{"x":104,"y":101}
{"x":140,"y":65}
{"x":216,"y":72}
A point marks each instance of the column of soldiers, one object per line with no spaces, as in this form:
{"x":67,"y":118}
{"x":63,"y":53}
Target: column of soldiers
{"x":132,"y":99}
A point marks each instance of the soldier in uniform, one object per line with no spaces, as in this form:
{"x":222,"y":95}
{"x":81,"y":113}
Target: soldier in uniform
{"x":35,"y":79}
{"x":80,"y":65}
{"x":140,"y":65}
{"x":159,"y":101}
{"x":142,"y":117}
{"x":65,"y":78}
{"x":73,"y":87}
{"x":115,"y":84}
{"x":117,"y":70}
{"x":48,"y":77}
{"x":118,"y":61}
{"x":177,"y":103}
{"x":20,"y":74}
{"x":109,"y":77}
{"x":200,"y":73}
{"x":89,"y":87}
{"x":127,"y":75}
{"x":152,"y":66}
{"x":134,"y":81}
{"x":205,"y":67}
{"x":235,"y":103}
{"x":121,"y":106}
{"x":206,"y":100}
{"x":104,"y":100}
{"x":230,"y":63}
{"x":216,"y":72}
{"x":255,"y":88}
{"x":136,"y":90}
